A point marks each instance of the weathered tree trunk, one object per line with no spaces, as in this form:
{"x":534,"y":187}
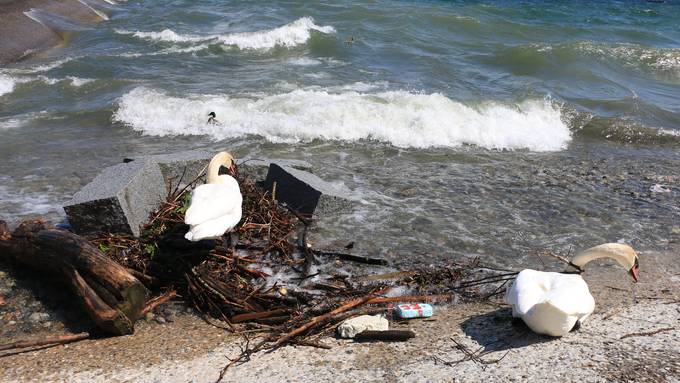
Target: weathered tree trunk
{"x":111,"y":296}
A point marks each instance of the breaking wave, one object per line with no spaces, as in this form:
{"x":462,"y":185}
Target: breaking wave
{"x":289,"y":35}
{"x":400,"y":118}
{"x":7,"y":84}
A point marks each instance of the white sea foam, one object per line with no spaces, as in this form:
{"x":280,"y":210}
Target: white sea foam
{"x":21,"y":120}
{"x":11,"y":123}
{"x":45,"y":79}
{"x":304,"y":61}
{"x":78,"y":82}
{"x":168,"y":51}
{"x":7,"y":84}
{"x":97,"y":12}
{"x":164,"y":35}
{"x":399,"y":118}
{"x":289,"y":35}
{"x":46,"y":67}
{"x":22,"y":201}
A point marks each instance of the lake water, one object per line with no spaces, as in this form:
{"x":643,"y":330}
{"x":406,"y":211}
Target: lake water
{"x":465,"y":128}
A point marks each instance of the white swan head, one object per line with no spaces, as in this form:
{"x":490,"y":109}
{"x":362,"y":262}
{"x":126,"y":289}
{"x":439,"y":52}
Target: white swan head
{"x":624,"y":255}
{"x":221,"y":160}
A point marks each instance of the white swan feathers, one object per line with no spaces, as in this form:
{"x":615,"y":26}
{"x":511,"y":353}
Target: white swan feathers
{"x":551,"y":303}
{"x":215,"y":206}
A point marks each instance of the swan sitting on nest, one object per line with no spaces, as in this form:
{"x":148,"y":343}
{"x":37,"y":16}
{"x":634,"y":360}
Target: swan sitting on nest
{"x":215,"y":207}
{"x":552,"y":303}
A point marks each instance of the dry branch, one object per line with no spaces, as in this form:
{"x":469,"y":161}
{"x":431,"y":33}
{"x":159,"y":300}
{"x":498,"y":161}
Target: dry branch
{"x":152,"y":304}
{"x":55,"y":340}
{"x":322,"y":318}
{"x":649,"y":333}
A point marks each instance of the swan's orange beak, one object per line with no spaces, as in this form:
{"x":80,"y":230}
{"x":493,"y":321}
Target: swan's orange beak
{"x":232,"y":169}
{"x":634,"y":273}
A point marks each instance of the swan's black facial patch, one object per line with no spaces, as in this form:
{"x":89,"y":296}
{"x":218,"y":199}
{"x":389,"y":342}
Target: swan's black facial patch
{"x":223,"y":170}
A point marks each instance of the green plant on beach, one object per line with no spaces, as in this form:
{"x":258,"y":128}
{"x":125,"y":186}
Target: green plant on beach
{"x":182,"y":208}
{"x":104,"y":248}
{"x":150,"y":250}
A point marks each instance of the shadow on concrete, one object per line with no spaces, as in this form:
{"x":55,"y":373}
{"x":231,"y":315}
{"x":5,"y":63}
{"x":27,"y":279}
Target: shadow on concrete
{"x":499,"y":331}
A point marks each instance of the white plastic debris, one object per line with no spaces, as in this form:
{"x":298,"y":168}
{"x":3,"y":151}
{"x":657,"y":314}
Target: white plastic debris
{"x":657,"y":188}
{"x":413,"y":310}
{"x":351,"y":327}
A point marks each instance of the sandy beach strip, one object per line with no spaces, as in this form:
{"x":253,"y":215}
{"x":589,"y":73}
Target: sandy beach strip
{"x":633,"y":336}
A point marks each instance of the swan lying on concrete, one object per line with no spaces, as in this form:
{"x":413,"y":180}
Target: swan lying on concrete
{"x":552,"y":303}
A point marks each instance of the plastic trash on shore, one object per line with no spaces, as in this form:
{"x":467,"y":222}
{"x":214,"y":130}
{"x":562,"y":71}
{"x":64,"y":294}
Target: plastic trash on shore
{"x":413,"y":310}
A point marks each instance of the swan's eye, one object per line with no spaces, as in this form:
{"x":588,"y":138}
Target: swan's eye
{"x":223,"y":170}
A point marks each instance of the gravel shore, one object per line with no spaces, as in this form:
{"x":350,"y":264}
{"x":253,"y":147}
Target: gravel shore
{"x":618,"y":343}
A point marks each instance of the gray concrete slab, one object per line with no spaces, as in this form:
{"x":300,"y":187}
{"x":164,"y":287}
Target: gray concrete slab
{"x":181,"y":167}
{"x":257,"y":169}
{"x":305,"y":192}
{"x":119,"y":200}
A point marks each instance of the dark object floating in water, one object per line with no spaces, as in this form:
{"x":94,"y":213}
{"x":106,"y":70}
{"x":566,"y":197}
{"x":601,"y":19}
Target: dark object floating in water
{"x":212,"y":120}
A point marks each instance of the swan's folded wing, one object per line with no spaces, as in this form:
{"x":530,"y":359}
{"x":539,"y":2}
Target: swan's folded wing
{"x":211,"y":201}
{"x":527,"y":290}
{"x":571,"y":295}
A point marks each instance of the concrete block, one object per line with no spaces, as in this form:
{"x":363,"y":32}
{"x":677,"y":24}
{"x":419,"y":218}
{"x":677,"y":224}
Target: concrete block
{"x":351,"y":327}
{"x":119,"y":200}
{"x":181,"y":167}
{"x":257,"y":169}
{"x":195,"y":162}
{"x":305,"y":192}
{"x":123,"y":196}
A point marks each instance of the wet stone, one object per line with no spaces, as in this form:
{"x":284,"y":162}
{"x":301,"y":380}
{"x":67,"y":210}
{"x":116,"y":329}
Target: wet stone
{"x":305,"y":192}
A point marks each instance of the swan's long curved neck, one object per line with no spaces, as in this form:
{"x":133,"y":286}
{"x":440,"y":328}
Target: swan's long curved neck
{"x":616,"y":253}
{"x":213,"y":172}
{"x":221,"y":159}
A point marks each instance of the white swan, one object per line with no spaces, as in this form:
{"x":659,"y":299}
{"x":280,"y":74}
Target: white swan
{"x":215,"y":207}
{"x":552,"y":303}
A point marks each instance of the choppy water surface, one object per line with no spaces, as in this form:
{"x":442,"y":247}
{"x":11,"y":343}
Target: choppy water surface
{"x":465,"y":128}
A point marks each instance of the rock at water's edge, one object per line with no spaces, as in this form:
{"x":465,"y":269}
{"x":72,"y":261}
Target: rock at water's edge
{"x":305,"y":192}
{"x":119,"y":200}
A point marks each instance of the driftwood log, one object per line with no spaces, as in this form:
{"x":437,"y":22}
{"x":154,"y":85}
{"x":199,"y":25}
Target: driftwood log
{"x":112,"y":297}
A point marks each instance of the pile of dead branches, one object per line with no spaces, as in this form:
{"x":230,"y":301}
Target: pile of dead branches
{"x":260,"y":277}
